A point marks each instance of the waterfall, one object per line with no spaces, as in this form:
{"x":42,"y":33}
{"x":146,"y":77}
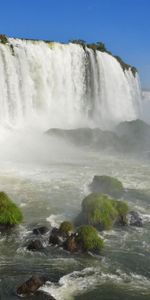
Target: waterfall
{"x":57,"y":85}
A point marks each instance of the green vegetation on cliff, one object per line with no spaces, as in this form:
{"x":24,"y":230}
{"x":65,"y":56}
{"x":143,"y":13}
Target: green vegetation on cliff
{"x":3,"y":39}
{"x":99,"y":46}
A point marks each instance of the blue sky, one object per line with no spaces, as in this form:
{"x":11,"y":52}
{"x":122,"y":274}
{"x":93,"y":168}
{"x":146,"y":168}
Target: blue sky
{"x":123,"y":25}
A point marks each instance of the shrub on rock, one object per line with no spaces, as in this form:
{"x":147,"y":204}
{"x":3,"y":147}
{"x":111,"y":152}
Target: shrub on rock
{"x":66,"y":227}
{"x":101,"y":211}
{"x":122,"y":209}
{"x":98,"y":210}
{"x":58,"y":236}
{"x":10,"y":214}
{"x":107,"y":185}
{"x":88,"y":239}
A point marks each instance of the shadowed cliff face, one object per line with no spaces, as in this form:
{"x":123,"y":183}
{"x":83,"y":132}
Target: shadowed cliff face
{"x":34,"y":146}
{"x":128,"y":137}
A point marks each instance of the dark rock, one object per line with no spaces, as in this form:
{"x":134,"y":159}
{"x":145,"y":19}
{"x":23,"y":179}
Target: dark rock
{"x":31,"y":285}
{"x":35,"y":245}
{"x":57,"y":237}
{"x":40,"y":230}
{"x":71,"y":244}
{"x":135,"y":219}
{"x":5,"y":227}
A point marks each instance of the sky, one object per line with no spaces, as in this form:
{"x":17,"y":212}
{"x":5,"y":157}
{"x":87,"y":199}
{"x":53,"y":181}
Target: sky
{"x":123,"y":25}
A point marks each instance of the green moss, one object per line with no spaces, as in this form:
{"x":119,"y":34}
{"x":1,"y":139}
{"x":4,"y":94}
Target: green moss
{"x":126,"y":66}
{"x":98,"y":209}
{"x":66,"y":227}
{"x":121,"y":206}
{"x":101,"y":211}
{"x":10,"y":214}
{"x":88,"y":238}
{"x":3,"y":39}
{"x":122,"y":209}
{"x":108,"y":185}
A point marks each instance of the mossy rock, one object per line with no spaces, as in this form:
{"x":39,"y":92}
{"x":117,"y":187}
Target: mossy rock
{"x":10,"y":214}
{"x":101,"y":211}
{"x":107,"y":185}
{"x":88,"y":238}
{"x":66,"y":227}
{"x":122,"y":209}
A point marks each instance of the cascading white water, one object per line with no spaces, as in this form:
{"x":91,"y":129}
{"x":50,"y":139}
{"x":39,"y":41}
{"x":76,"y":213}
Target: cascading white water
{"x":55,"y":85}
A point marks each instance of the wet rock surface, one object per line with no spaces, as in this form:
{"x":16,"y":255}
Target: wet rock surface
{"x":31,"y":286}
{"x":57,"y":237}
{"x":40,"y":230}
{"x":135,"y":219}
{"x":35,"y":245}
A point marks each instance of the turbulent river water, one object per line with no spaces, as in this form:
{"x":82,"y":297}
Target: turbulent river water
{"x":48,"y":180}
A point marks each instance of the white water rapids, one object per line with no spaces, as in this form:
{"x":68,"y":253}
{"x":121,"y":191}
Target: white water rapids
{"x":49,"y":85}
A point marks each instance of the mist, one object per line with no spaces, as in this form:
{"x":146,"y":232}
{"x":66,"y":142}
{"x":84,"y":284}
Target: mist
{"x":35,"y":147}
{"x":146,"y":106}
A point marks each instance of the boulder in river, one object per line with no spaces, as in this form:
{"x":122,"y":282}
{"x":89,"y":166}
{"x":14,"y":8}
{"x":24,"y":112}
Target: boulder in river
{"x":10,"y":214}
{"x":35,"y":245}
{"x":40,"y":230}
{"x":107,"y":185}
{"x":102,"y":211}
{"x":88,"y":239}
{"x":85,"y":239}
{"x":135,"y":219}
{"x":56,"y":237}
{"x":66,"y":228}
{"x":71,"y":244}
{"x":59,"y":235}
{"x":31,"y":286}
